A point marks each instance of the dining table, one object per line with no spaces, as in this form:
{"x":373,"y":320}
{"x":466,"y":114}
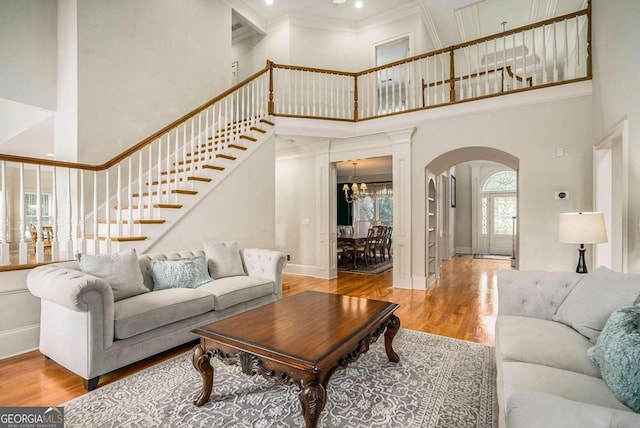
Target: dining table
{"x":352,"y":242}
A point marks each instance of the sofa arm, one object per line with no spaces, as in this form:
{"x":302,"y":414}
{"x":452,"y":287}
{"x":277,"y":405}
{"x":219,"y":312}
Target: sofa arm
{"x":535,"y":294}
{"x":265,"y":264}
{"x":66,"y":285}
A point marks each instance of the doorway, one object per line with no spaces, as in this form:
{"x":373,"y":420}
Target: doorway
{"x":393,"y":82}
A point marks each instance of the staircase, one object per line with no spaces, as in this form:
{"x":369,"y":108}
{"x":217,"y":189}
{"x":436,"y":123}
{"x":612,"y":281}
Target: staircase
{"x":178,"y":189}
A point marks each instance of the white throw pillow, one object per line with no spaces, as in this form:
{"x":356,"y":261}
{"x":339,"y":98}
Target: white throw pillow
{"x":120,"y":270}
{"x":594,"y":299}
{"x":224,"y":259}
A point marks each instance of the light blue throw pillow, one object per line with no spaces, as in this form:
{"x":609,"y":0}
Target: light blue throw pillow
{"x":181,"y":273}
{"x":617,"y":354}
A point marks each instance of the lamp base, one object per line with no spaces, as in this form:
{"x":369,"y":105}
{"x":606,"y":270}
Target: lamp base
{"x":582,"y":265}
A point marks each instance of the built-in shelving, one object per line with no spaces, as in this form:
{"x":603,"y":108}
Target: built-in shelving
{"x":431,"y":232}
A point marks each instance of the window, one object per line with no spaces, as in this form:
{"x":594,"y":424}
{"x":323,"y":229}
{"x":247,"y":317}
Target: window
{"x":503,"y":181}
{"x":30,"y":209}
{"x":375,"y":209}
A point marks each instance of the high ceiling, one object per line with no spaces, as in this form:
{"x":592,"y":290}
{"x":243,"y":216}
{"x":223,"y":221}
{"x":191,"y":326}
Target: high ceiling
{"x":448,"y":22}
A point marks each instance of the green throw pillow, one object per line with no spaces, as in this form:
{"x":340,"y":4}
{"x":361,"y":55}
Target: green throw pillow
{"x":617,"y":354}
{"x":181,"y":273}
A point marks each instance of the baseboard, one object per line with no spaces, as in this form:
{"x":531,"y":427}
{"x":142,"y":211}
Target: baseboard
{"x":463,"y":250}
{"x":419,"y":282}
{"x":304,"y":270}
{"x":19,"y":340}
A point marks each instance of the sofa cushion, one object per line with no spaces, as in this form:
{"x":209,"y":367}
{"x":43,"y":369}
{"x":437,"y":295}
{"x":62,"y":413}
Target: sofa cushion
{"x":237,"y":289}
{"x":181,"y":273}
{"x":146,"y":312}
{"x":517,"y":376}
{"x":590,"y":303}
{"x":550,"y":343}
{"x":528,"y":409}
{"x":617,"y":353}
{"x":224,"y":259}
{"x":120,"y":270}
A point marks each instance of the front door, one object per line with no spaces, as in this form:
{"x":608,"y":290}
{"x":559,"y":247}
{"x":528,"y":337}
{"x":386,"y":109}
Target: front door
{"x":502,"y":209}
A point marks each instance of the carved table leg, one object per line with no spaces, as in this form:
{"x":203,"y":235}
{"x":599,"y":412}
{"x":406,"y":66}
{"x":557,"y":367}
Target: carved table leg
{"x":392,"y":329}
{"x":202,"y":363}
{"x":313,"y":397}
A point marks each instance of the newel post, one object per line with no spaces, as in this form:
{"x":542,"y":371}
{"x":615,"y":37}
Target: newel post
{"x":452,"y":77}
{"x":271,"y":105}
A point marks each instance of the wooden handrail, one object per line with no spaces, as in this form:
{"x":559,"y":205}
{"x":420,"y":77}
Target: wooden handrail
{"x":314,"y":70}
{"x":115,"y":160}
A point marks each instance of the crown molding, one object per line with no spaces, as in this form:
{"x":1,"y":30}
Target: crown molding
{"x":320,"y":23}
{"x":397,"y":13}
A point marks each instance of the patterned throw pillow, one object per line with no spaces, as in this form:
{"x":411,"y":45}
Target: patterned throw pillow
{"x":617,"y":354}
{"x":120,"y":270}
{"x":181,"y":273}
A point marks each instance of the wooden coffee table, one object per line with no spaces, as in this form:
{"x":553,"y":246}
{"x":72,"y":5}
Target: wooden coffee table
{"x":300,"y":340}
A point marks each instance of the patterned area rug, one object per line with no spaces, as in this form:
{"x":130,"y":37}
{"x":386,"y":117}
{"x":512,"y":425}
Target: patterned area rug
{"x":439,"y":382}
{"x":372,"y":269}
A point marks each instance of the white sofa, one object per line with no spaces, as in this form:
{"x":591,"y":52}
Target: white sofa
{"x":545,"y":377}
{"x":86,"y":330}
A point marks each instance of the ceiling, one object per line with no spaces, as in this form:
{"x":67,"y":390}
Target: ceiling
{"x":365,"y":167}
{"x":448,"y":22}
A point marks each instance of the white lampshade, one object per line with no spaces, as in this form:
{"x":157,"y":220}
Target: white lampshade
{"x":582,"y":228}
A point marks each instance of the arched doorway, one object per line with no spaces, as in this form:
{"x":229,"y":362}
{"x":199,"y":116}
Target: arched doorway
{"x":442,"y":169}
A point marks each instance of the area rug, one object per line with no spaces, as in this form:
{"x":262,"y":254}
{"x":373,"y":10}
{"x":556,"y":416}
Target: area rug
{"x":439,"y":382}
{"x":372,"y":269}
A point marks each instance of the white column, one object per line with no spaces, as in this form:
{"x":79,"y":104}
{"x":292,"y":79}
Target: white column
{"x":4,"y":216}
{"x":325,"y":246}
{"x":402,"y":255}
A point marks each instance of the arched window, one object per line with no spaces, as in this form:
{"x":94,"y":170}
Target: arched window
{"x":503,"y":181}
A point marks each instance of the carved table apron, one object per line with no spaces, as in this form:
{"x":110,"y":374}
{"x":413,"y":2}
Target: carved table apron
{"x":301,"y":340}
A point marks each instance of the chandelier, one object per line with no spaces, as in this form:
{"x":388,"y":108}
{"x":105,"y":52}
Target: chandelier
{"x":358,"y":191}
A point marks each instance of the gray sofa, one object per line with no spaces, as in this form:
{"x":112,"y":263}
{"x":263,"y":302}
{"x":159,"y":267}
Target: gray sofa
{"x":85,"y":330}
{"x":546,"y":324}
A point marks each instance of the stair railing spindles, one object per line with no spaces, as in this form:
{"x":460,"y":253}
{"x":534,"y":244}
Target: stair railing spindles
{"x":119,"y":206}
{"x":169,"y":186}
{"x":140,"y":187}
{"x":22,"y":258}
{"x":495,"y":66}
{"x":107,"y":212}
{"x":486,"y":68}
{"x":150,"y":198}
{"x":4,"y":216}
{"x":514,"y":81}
{"x":69,"y":247}
{"x":565,"y":53}
{"x":130,"y":206}
{"x":55,"y":245}
{"x":176,"y":166}
{"x":96,"y":246}
{"x":39,"y":241}
{"x":534,"y":73}
{"x":82,"y":239}
{"x":555,"y":52}
{"x":524,"y":63}
{"x":544,"y":55}
{"x":159,"y":187}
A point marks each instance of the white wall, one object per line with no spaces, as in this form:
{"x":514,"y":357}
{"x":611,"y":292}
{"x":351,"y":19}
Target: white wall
{"x":252,"y":53}
{"x":530,"y":133}
{"x":241,"y":209}
{"x":615,"y":95}
{"x":463,"y":228}
{"x":144,"y":63}
{"x":295,"y":208}
{"x":28,"y":52}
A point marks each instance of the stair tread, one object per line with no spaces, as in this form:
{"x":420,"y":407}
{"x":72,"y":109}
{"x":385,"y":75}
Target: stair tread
{"x":138,"y":221}
{"x":116,"y":238}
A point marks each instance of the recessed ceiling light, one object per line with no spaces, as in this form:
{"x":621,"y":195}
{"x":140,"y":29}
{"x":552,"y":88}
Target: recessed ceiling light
{"x":51,"y":155}
{"x":268,"y":1}
{"x":358,"y":5}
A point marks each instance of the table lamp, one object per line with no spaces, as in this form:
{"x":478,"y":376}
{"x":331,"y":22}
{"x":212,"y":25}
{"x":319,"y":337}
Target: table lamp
{"x":581,"y":228}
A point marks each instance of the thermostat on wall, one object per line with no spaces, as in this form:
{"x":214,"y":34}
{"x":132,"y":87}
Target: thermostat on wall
{"x":562,"y":194}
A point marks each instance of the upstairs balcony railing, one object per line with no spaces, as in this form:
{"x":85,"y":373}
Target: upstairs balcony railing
{"x":551,"y":52}
{"x":134,"y":187}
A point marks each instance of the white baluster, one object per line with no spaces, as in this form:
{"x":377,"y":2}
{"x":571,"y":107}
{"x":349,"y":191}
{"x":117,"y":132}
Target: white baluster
{"x":478,"y":78}
{"x":69,"y":246}
{"x":495,"y":66}
{"x":504,"y":63}
{"x":514,"y":81}
{"x":565,"y":71}
{"x":55,"y":249}
{"x":150,"y":198}
{"x":201,"y":145}
{"x":524,"y":63}
{"x":555,"y":53}
{"x":176,"y":175}
{"x":140,"y":178}
{"x":207,"y":133}
{"x":4,"y":216}
{"x":544,"y":55}
{"x":130,"y":206}
{"x":96,"y":246}
{"x":486,"y":68}
{"x":119,"y":207}
{"x":160,"y":186}
{"x":23,"y":248}
{"x":82,"y":239}
{"x":107,"y":212}
{"x":39,"y":241}
{"x":167,"y":163}
{"x":534,"y":74}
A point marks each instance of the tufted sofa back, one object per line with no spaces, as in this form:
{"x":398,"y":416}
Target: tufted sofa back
{"x":536,"y":294}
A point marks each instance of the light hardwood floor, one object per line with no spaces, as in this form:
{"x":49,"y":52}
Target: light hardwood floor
{"x":462,"y":304}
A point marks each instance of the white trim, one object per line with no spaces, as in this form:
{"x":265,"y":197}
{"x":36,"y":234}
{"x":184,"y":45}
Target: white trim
{"x":419,"y":282}
{"x":19,"y":340}
{"x":302,"y":270}
{"x":463,"y":250}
